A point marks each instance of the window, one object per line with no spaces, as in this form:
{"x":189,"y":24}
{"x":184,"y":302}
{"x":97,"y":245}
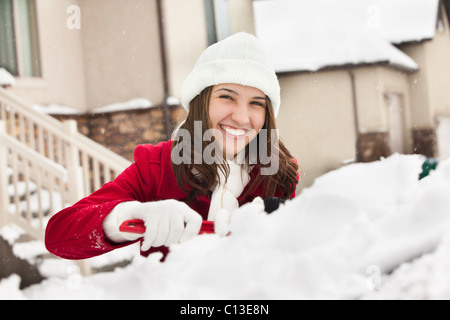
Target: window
{"x":19,"y":43}
{"x":217,"y":20}
{"x":7,"y":46}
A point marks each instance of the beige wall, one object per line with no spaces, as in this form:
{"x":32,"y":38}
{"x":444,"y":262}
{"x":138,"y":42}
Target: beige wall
{"x":121,"y":51}
{"x":438,"y":71}
{"x":316,"y":118}
{"x":114,"y":57}
{"x":429,"y":92}
{"x":61,"y":60}
{"x":372,"y":83}
{"x":241,"y":16}
{"x":369,"y":95}
{"x":185,"y":30}
{"x":316,"y":121}
{"x":421,"y":112}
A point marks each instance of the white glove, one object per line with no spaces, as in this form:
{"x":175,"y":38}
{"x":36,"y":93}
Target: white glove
{"x":224,"y":197}
{"x":167,"y":222}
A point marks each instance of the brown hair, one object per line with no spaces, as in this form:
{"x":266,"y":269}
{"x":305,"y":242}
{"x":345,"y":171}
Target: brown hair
{"x":198,"y":178}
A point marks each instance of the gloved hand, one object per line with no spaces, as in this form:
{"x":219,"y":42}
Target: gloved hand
{"x":224,"y":197}
{"x":167,"y":222}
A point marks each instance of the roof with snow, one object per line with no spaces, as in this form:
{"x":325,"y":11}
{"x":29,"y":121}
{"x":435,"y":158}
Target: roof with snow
{"x":305,"y":35}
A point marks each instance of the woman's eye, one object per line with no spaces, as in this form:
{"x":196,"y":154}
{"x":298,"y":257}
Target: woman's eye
{"x":226,"y":97}
{"x":257,"y":103}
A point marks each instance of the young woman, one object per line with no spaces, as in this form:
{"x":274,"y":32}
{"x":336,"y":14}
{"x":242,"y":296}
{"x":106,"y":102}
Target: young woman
{"x":224,"y":155}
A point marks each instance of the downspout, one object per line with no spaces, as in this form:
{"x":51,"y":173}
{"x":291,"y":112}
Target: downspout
{"x":355,"y":112}
{"x":162,"y":45}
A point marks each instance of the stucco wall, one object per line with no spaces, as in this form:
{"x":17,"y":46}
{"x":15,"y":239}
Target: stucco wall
{"x":121,"y":51}
{"x":62,"y":63}
{"x":316,"y":121}
{"x":185,"y":30}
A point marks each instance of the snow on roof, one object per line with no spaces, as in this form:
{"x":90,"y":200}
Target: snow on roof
{"x":133,"y":104}
{"x":6,"y":79}
{"x":398,"y":20}
{"x":137,"y":103}
{"x":304,"y":35}
{"x":54,"y":108}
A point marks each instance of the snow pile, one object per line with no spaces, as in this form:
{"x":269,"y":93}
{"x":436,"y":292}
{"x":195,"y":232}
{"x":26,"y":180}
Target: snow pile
{"x":9,"y":289}
{"x":424,"y":278}
{"x":309,"y":35}
{"x":338,"y":240}
{"x":6,"y":78}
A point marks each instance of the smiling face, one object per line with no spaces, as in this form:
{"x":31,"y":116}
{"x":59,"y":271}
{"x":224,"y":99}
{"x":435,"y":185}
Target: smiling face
{"x":237,"y":113}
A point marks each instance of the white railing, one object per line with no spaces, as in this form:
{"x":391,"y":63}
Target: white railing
{"x":46,"y":165}
{"x":62,"y":143}
{"x":32,"y":186}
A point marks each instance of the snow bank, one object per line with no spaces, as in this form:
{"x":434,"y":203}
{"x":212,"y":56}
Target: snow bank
{"x":423,"y":278}
{"x":9,"y":288}
{"x":337,"y":240}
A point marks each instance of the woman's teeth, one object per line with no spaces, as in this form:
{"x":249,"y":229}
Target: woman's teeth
{"x":234,"y":132}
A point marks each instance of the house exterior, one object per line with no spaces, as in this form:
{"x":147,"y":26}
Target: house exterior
{"x":89,"y":54}
{"x":372,"y":84}
{"x":385,"y":93}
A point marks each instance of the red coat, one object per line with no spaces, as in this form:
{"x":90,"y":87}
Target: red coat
{"x":77,"y":233}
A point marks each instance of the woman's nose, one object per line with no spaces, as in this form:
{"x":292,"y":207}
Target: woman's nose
{"x":241,"y":115}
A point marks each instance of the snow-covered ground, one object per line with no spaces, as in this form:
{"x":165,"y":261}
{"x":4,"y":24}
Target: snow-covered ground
{"x":365,"y":231}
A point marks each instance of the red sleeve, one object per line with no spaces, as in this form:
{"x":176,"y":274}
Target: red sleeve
{"x":77,"y":233}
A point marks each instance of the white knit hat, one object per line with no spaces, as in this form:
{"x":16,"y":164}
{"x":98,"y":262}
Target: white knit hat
{"x":237,"y":59}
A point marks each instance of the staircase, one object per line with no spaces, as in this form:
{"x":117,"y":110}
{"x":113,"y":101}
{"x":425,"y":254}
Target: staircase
{"x":45,"y":166}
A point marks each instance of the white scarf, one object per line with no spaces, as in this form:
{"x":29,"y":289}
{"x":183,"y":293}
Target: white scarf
{"x":226,"y":191}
